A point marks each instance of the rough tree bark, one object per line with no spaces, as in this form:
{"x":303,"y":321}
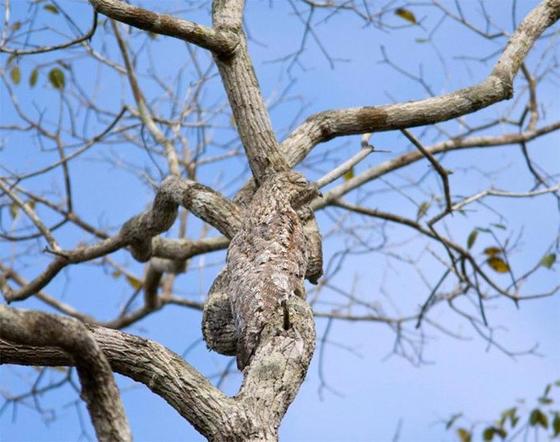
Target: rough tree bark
{"x":256,"y":309}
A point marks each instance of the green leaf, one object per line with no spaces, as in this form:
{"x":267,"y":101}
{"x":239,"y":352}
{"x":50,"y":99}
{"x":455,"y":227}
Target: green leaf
{"x":349,"y":175}
{"x":510,"y":414}
{"x":422,"y":209}
{"x":16,"y":26}
{"x":537,"y":417}
{"x":15,"y":75}
{"x":14,"y":210}
{"x":556,"y":424}
{"x":33,"y":77}
{"x":500,"y":226}
{"x":56,"y":77}
{"x":501,"y":432}
{"x":548,"y":260}
{"x":464,"y":435}
{"x":472,"y":238}
{"x":488,"y":434}
{"x":422,"y":40}
{"x":51,"y":8}
{"x":545,"y":401}
{"x":10,"y":59}
{"x":405,"y":14}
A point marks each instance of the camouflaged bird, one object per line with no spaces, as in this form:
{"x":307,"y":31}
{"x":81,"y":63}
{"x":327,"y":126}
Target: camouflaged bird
{"x":266,"y":265}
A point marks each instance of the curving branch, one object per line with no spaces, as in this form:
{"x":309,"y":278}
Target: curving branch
{"x":139,"y":231}
{"x":216,"y":40}
{"x":161,"y":370}
{"x":41,"y":50}
{"x":99,"y":389}
{"x":498,"y":86}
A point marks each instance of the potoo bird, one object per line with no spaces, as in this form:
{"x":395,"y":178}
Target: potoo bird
{"x":267,"y":259}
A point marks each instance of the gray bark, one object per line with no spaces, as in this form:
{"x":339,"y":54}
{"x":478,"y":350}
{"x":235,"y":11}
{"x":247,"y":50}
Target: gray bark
{"x":256,"y":308}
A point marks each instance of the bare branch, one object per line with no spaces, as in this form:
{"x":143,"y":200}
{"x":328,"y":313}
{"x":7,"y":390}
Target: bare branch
{"x":51,"y":241}
{"x":445,"y":146}
{"x":440,"y":170}
{"x":138,"y":231}
{"x":218,"y":41}
{"x":98,"y":385}
{"x":161,"y":370}
{"x":345,"y":167}
{"x":496,"y":87}
{"x":144,"y":110}
{"x":43,"y":49}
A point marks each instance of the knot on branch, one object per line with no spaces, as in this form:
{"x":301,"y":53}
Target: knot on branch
{"x":139,"y":230}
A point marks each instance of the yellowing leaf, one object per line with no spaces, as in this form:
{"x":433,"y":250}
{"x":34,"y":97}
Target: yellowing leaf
{"x":492,"y":251}
{"x":30,"y":204}
{"x":33,"y":77}
{"x":422,"y":209}
{"x":116,"y":274}
{"x":405,"y":14}
{"x":134,"y":282}
{"x":498,"y":264}
{"x":548,"y":260}
{"x":56,"y":77}
{"x":464,"y":435}
{"x":16,"y":26}
{"x":348,"y":175}
{"x":15,"y":75}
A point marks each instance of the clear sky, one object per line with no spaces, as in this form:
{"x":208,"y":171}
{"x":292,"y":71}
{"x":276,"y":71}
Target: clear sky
{"x":371,"y":392}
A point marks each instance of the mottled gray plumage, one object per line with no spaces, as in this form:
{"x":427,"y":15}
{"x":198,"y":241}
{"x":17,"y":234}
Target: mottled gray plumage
{"x":266,"y":263}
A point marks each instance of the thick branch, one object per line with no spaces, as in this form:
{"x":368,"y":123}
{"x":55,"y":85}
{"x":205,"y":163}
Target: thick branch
{"x":70,"y":335}
{"x":147,"y":362}
{"x":218,"y":41}
{"x":496,"y":87}
{"x":244,"y":94}
{"x":280,"y":365}
{"x":139,"y":231}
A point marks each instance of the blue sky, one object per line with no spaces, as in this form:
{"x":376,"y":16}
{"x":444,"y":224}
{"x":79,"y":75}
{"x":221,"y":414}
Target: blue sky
{"x":374,"y":390}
